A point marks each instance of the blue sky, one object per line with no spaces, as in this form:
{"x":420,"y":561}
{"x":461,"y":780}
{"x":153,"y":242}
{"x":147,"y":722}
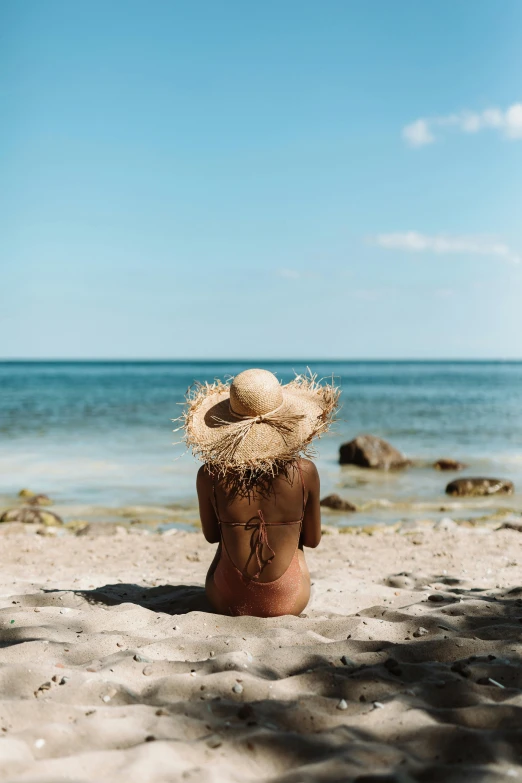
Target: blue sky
{"x":277,"y":179}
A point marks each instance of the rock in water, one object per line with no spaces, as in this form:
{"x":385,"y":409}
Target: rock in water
{"x":368,"y":451}
{"x":480,"y":486}
{"x":31,"y":516}
{"x":449,"y":464}
{"x":337,"y":503}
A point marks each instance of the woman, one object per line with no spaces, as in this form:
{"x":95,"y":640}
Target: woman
{"x":257,"y":496}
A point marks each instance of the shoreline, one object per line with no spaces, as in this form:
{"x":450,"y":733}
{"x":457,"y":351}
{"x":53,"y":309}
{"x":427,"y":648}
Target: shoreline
{"x":490,"y":511}
{"x":406,"y":662}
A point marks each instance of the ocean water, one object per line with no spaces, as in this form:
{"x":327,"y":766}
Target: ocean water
{"x":99,"y":434}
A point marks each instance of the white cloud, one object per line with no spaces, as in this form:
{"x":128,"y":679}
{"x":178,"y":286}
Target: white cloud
{"x":418,"y":134}
{"x":415,"y":242}
{"x":423,"y":130}
{"x":514,"y":121}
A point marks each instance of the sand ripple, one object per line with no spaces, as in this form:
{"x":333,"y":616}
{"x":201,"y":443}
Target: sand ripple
{"x":121,"y":681}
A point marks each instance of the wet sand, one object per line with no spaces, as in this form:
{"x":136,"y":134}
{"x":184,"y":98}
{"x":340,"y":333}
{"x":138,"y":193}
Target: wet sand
{"x":406,"y":666}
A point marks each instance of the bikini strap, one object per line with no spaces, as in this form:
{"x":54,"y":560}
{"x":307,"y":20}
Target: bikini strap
{"x":258,"y":543}
{"x":259,"y":538}
{"x":215,"y":500}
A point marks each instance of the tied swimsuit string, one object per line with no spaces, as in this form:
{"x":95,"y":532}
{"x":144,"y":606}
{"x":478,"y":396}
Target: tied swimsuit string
{"x":259,"y":538}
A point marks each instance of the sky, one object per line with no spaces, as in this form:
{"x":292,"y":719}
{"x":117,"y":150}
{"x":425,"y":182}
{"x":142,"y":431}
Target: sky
{"x":285,"y":179}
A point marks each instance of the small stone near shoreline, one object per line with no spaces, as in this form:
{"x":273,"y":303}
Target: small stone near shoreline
{"x":337,"y":503}
{"x":35,"y":499}
{"x":30,"y":515}
{"x":449,"y":464}
{"x":369,"y":451}
{"x":510,"y":525}
{"x":480,"y":486}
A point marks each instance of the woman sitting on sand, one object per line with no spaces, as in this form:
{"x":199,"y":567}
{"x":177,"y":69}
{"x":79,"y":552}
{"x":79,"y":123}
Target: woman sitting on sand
{"x":257,"y":496}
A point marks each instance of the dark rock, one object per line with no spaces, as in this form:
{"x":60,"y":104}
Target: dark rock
{"x":439,"y":598}
{"x":31,"y":516}
{"x":511,"y":526}
{"x":368,"y":451}
{"x":245,"y":712}
{"x":449,"y":464}
{"x":141,"y":658}
{"x":337,"y":503}
{"x":480,"y":486}
{"x":460,"y":668}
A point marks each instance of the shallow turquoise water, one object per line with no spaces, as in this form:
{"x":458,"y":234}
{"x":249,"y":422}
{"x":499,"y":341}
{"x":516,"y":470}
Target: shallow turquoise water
{"x":101,"y":432}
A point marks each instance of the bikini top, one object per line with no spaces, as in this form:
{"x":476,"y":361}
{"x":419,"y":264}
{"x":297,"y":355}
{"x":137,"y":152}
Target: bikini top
{"x":259,"y":525}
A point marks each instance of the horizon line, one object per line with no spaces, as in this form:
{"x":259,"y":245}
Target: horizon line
{"x":222,"y":360}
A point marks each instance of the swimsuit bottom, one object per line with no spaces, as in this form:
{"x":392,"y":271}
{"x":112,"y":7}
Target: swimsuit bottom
{"x":245,"y":596}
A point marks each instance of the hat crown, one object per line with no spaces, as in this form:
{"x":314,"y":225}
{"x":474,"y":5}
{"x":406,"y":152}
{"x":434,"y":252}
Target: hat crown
{"x":255,"y":392}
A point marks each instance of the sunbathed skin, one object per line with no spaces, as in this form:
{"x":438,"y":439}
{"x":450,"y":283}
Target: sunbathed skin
{"x":281,"y":501}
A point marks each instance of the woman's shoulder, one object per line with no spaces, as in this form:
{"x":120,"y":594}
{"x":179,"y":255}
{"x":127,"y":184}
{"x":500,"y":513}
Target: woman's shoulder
{"x":308,"y":470}
{"x":204,"y":477}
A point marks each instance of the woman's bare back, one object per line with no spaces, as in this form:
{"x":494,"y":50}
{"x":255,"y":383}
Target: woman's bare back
{"x":259,"y":567}
{"x":286,"y":507}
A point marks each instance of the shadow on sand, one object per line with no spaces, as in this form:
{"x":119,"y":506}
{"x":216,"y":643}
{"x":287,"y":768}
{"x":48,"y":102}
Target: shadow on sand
{"x":445,"y":707}
{"x":171,"y":599}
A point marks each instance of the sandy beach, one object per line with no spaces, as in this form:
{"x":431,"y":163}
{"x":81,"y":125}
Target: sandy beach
{"x":237,"y":237}
{"x":406,"y":666}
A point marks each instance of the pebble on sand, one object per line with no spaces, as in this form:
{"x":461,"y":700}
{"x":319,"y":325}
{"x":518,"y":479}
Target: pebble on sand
{"x":441,"y":597}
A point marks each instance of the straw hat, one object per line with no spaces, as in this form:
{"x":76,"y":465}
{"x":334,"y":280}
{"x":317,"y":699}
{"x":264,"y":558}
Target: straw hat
{"x":254,"y":424}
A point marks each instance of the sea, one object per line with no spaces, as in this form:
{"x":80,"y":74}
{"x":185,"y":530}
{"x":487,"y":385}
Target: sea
{"x":98,"y":436}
